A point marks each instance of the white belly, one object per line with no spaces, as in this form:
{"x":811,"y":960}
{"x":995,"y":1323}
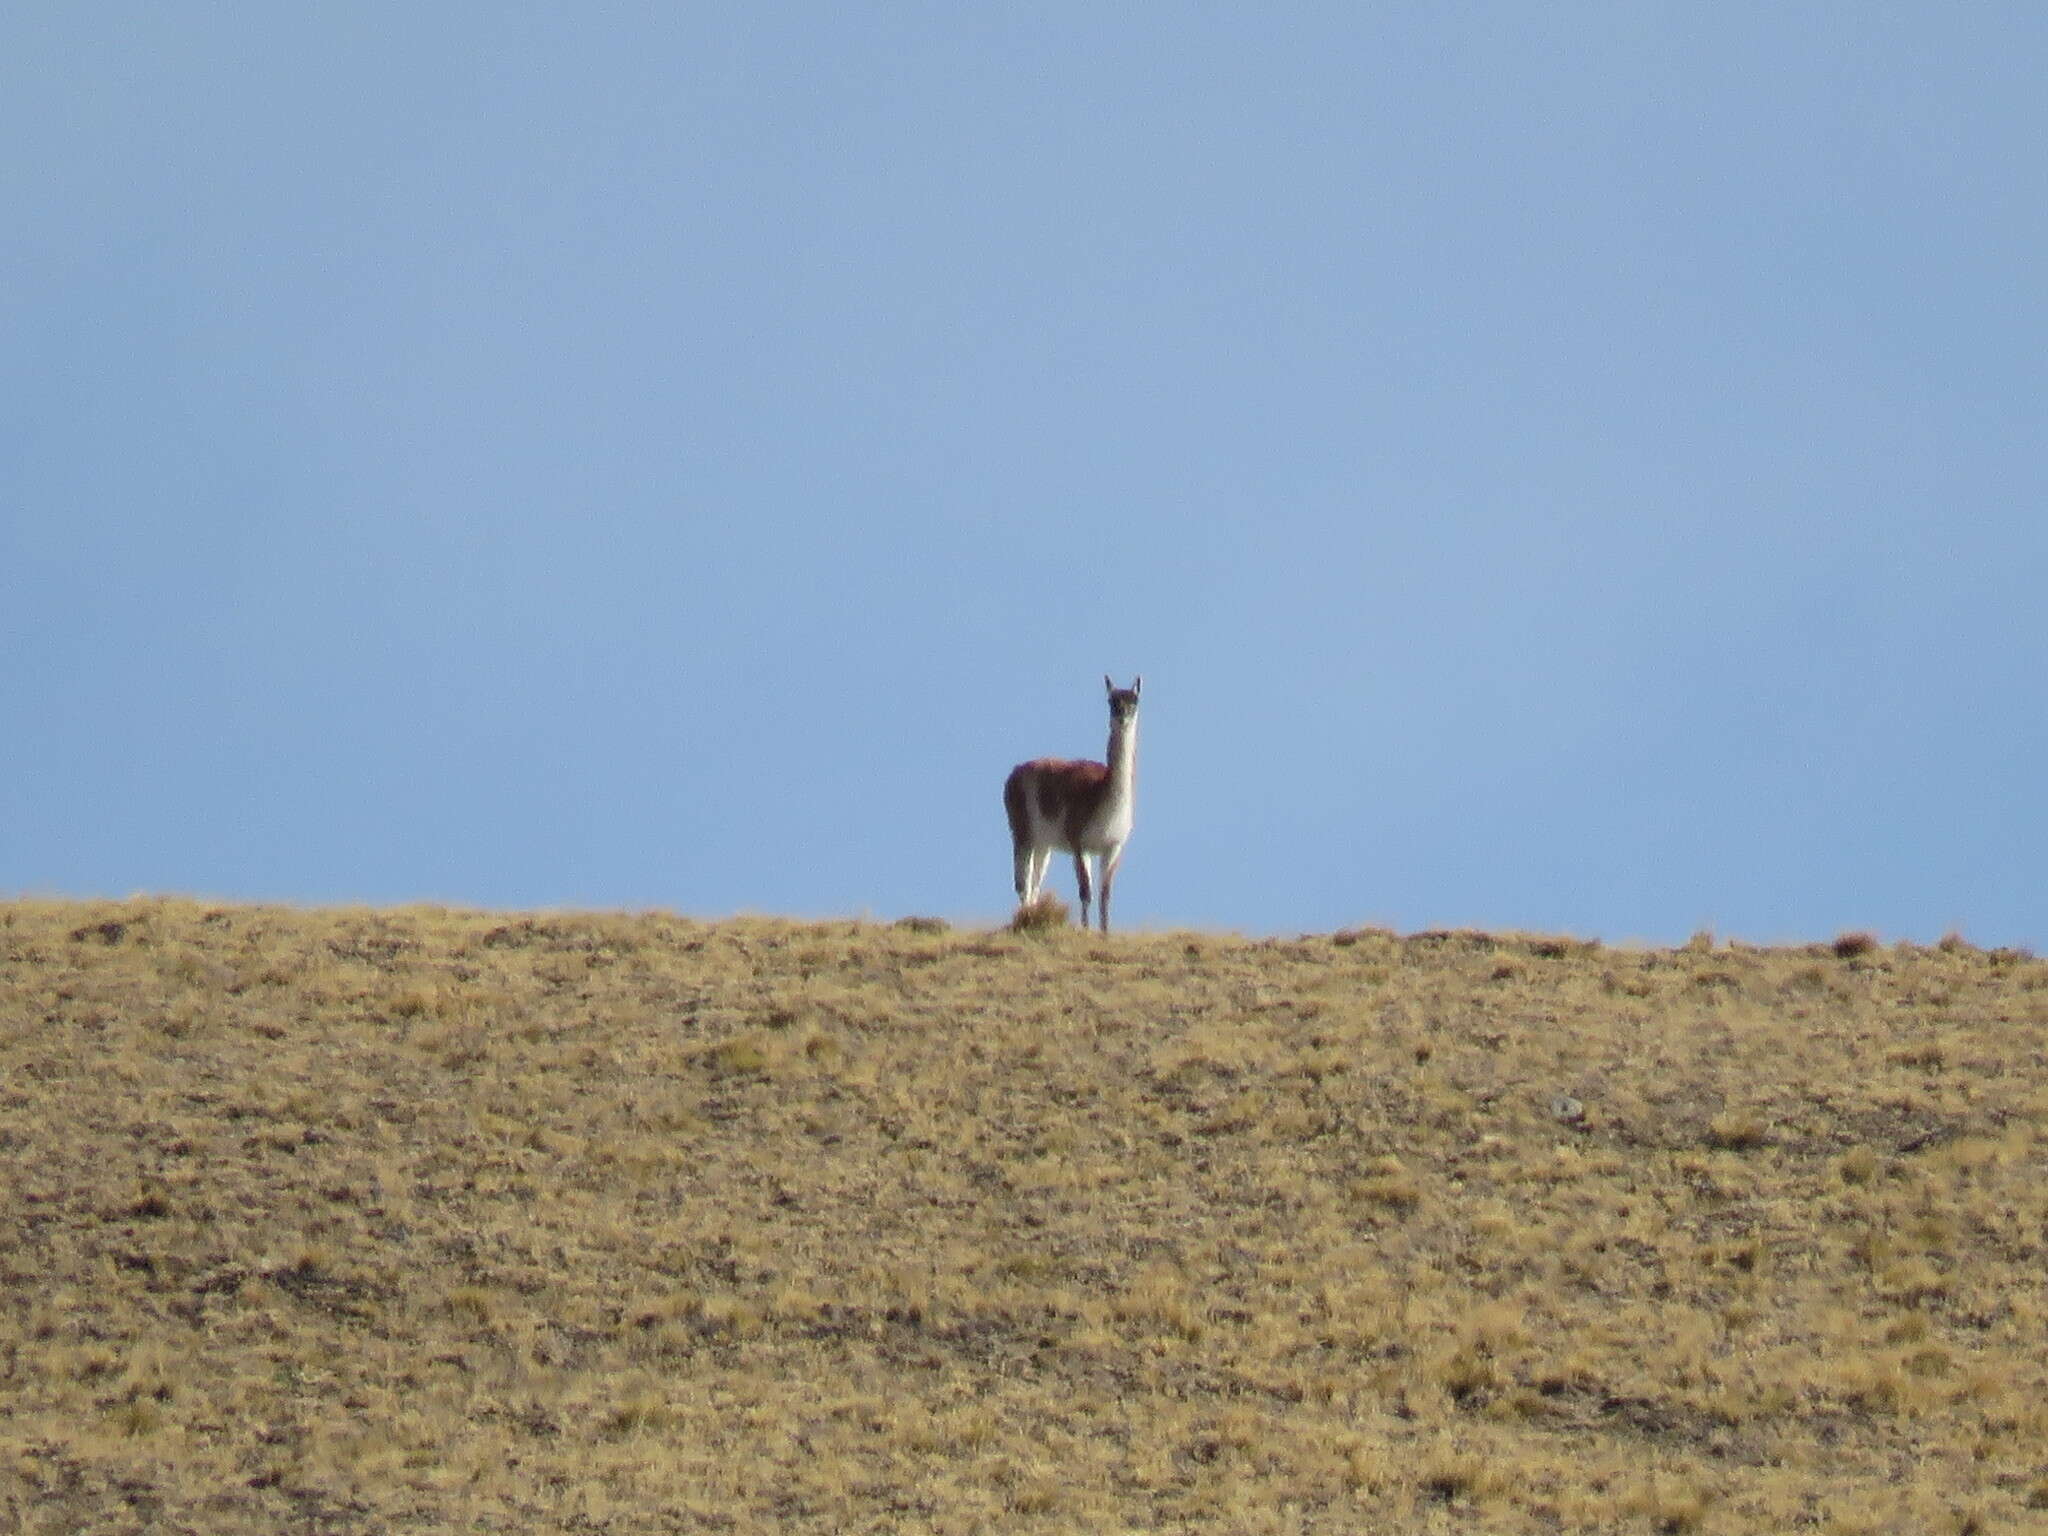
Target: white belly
{"x":1108,"y":828}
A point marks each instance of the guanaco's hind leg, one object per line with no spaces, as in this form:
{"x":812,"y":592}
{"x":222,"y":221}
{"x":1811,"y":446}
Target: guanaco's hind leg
{"x":1110,"y":860}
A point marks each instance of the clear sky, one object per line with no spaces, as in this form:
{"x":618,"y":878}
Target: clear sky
{"x":1577,"y":468}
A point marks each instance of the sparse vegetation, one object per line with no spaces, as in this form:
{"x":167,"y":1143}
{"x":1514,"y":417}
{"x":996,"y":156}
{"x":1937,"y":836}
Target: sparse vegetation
{"x":410,"y":1221}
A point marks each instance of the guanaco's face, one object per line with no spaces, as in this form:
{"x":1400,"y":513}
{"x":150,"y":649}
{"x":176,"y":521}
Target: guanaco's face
{"x":1123,"y":702}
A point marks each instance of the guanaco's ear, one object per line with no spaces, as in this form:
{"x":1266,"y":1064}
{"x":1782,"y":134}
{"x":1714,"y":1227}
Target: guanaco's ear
{"x":1136,"y":684}
{"x":1107,"y":684}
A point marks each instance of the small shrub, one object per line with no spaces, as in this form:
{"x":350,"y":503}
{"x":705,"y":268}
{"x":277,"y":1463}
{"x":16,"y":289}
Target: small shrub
{"x":1853,"y":946}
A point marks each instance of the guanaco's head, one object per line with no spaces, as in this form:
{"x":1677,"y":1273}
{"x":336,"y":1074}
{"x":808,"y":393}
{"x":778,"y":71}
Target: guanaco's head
{"x":1123,"y":702}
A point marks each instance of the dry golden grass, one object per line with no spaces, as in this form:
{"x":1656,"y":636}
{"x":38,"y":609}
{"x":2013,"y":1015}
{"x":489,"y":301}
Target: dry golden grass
{"x":366,"y":1221}
{"x":1046,"y":913}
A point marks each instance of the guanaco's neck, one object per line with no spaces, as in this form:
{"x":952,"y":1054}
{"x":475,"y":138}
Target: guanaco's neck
{"x":1123,"y":756}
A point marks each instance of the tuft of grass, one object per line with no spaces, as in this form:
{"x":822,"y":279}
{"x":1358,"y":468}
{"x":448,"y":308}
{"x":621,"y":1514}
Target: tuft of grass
{"x":1737,"y":1131}
{"x":1388,"y":1184}
{"x":1671,"y":1510}
{"x":1048,"y":914}
{"x":1927,"y":1054}
{"x":742,"y":1055}
{"x":642,"y":1413}
{"x":1858,"y":1165}
{"x":1454,"y":1477}
{"x":136,"y":1417}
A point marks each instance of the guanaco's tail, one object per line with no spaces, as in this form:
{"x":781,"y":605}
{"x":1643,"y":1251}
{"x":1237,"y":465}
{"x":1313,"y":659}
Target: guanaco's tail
{"x":1013,"y":806}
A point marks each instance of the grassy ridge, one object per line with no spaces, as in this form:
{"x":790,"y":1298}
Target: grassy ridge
{"x":367,"y":1221}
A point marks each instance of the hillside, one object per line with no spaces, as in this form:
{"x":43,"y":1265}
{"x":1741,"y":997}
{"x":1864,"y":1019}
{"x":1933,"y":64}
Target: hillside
{"x":367,"y":1221}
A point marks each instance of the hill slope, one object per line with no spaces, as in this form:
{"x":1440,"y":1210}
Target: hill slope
{"x":417,"y":1220}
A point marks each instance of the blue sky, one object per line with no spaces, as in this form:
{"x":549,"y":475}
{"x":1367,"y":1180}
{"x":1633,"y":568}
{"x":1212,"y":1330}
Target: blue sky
{"x":1574,"y":468}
